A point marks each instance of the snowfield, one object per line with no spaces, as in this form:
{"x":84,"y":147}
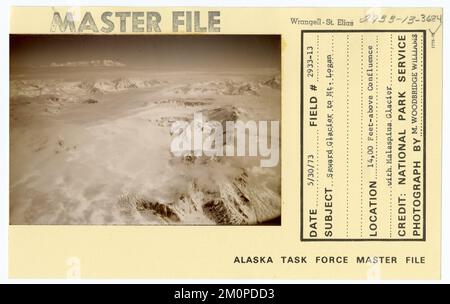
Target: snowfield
{"x":94,"y":148}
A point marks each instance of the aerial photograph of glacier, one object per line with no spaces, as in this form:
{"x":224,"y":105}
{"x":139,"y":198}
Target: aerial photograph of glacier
{"x":92,"y":125}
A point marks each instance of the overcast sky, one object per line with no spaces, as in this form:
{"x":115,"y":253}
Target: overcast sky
{"x":155,"y":51}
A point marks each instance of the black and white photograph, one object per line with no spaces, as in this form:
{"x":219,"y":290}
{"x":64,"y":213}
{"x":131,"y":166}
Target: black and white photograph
{"x":145,"y":129}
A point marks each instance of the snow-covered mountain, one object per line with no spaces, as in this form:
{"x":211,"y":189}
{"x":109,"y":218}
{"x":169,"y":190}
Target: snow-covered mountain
{"x":97,"y":150}
{"x":72,"y":89}
{"x":227,"y":87}
{"x":234,"y":202}
{"x":88,"y":63}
